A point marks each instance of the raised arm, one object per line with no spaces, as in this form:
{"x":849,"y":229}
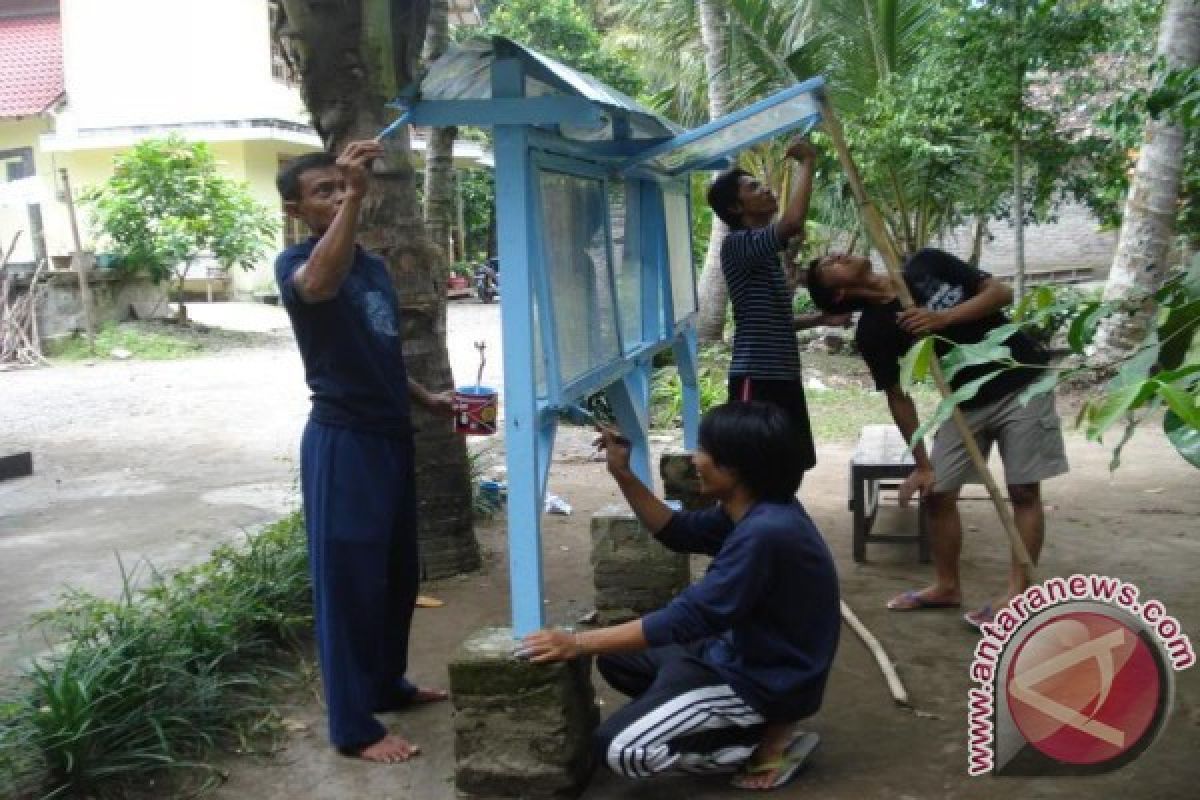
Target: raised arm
{"x":904,"y":413}
{"x":650,"y":511}
{"x":986,"y":295}
{"x":791,"y":222}
{"x":320,"y":278}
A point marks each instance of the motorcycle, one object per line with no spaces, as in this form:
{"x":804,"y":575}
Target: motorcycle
{"x":487,"y":283}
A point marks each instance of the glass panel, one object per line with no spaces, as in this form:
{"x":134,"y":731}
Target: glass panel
{"x":772,"y":121}
{"x":627,"y":251}
{"x":679,"y":250}
{"x":539,"y":354}
{"x":575,"y":244}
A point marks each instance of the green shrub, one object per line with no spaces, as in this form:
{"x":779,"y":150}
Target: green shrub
{"x":666,"y":393}
{"x":151,"y":681}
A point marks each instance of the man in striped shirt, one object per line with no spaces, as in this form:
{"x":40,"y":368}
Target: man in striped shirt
{"x":766,"y":358}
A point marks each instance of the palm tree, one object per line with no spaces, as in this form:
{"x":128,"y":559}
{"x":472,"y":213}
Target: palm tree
{"x":352,"y":57}
{"x":713,"y":293}
{"x":1140,"y":263}
{"x":439,"y":155}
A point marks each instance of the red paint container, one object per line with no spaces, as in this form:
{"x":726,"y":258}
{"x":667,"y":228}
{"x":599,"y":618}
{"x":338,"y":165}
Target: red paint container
{"x":475,"y":409}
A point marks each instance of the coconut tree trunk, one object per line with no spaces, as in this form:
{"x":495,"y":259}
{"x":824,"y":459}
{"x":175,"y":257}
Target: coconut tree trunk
{"x":439,"y":155}
{"x":352,"y":57}
{"x":1148,"y":223}
{"x":1019,"y":156}
{"x":712,"y":292}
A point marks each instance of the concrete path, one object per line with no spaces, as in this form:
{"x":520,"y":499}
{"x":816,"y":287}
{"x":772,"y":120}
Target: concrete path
{"x":158,"y":462}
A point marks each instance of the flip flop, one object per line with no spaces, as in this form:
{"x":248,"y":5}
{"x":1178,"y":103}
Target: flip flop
{"x":426,"y":601}
{"x":980,"y":617}
{"x":786,"y":767}
{"x":913,"y":601}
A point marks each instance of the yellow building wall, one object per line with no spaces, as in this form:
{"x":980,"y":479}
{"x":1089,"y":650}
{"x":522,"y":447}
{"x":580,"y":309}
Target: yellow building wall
{"x":254,"y":163}
{"x":17,"y":134}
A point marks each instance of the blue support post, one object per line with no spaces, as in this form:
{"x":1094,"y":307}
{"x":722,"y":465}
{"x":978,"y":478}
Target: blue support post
{"x":626,"y":397}
{"x":516,"y":238}
{"x":684,"y":347}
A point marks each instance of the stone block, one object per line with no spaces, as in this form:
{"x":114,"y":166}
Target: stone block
{"x":680,"y":481}
{"x":632,"y":572}
{"x":521,"y":730}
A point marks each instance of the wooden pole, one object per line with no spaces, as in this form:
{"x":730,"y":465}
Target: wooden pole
{"x":895,"y":686}
{"x":85,"y":291}
{"x":882,"y":241}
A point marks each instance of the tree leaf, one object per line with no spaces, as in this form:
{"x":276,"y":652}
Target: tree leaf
{"x":1176,"y":333}
{"x":1083,"y":327}
{"x":1184,"y":437}
{"x":1137,"y":368}
{"x":1183,"y":404}
{"x":1104,"y":412}
{"x":1047,"y":383}
{"x":972,"y":355}
{"x":914,"y":366}
{"x":946,"y":408}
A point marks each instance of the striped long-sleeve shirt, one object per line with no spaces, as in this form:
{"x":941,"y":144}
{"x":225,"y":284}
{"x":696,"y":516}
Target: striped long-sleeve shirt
{"x":764,"y":338}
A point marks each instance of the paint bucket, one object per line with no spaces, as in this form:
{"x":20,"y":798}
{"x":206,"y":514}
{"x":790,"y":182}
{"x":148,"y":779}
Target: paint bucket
{"x":475,"y":410}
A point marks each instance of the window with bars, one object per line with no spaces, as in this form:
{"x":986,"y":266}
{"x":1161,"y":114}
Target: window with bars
{"x":281,"y":69}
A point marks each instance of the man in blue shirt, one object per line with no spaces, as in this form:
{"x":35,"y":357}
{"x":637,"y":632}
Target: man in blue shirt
{"x":719,"y":676}
{"x":356,"y":460}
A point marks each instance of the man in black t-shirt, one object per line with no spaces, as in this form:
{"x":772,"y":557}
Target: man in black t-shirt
{"x":961,"y":305}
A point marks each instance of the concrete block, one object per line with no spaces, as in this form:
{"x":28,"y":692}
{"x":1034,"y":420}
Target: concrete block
{"x":680,"y":481}
{"x":632,"y":572}
{"x":521,"y":730}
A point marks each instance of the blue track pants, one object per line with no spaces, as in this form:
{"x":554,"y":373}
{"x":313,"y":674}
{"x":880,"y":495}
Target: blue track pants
{"x":360,"y":514}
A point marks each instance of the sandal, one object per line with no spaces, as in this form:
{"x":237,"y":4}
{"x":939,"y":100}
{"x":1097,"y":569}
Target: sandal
{"x":983,"y":616}
{"x":786,"y":767}
{"x":912,"y":600}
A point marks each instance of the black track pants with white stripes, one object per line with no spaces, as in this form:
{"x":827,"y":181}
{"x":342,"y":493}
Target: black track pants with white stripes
{"x":683,"y":715}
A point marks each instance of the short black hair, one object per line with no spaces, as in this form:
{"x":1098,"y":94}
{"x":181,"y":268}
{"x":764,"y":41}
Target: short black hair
{"x":288,"y":179}
{"x":723,"y":196}
{"x":758,"y":442}
{"x":823,"y":297}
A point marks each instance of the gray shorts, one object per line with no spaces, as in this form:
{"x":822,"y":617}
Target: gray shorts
{"x":1030,"y":439}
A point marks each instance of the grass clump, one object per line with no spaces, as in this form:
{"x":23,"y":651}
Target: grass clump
{"x":152,"y":681}
{"x":836,"y":413}
{"x":148,"y":340}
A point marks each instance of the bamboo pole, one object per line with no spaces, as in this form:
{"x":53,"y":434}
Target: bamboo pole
{"x":877,"y":232}
{"x":899,"y":693}
{"x":81,"y":267}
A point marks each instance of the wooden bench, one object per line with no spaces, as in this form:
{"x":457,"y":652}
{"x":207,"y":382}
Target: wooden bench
{"x":879,"y":464}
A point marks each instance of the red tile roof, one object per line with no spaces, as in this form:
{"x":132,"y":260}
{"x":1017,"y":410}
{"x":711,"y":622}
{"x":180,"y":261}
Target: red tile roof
{"x":31,"y":68}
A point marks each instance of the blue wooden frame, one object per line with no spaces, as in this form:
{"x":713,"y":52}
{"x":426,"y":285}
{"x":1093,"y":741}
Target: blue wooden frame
{"x":811,"y":86}
{"x":527,"y":142}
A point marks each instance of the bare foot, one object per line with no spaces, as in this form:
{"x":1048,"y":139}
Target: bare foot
{"x":391,"y":749}
{"x":424,"y":696}
{"x":419,"y":698}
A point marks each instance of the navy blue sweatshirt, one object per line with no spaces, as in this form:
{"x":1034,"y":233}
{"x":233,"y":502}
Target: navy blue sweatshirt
{"x":768,"y":605}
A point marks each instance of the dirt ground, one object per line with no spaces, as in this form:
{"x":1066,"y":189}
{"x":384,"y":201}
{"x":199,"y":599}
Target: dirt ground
{"x":161,"y":461}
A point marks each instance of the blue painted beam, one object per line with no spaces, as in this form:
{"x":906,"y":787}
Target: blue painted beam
{"x":548,"y":110}
{"x":684,"y":347}
{"x":812,"y":86}
{"x":517,"y":244}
